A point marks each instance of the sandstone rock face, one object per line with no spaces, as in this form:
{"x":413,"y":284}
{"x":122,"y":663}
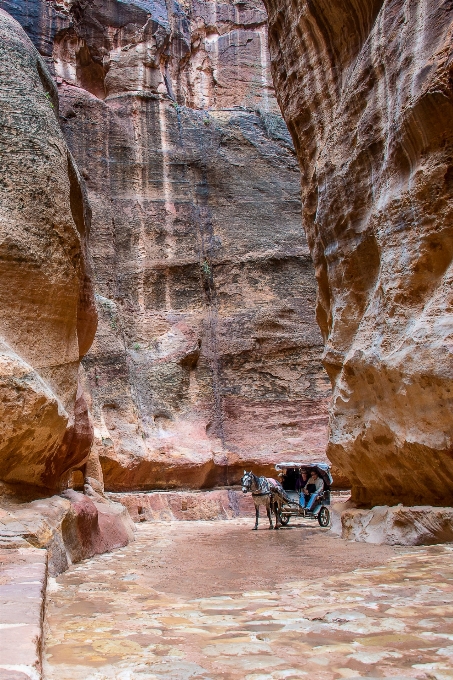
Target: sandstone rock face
{"x":366,"y":91}
{"x":48,"y":316}
{"x":207,"y":355}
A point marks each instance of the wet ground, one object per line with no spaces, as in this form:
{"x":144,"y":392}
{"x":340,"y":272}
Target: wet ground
{"x":206,"y":600}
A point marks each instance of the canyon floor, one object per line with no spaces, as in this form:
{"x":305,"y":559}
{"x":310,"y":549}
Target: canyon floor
{"x":206,"y":600}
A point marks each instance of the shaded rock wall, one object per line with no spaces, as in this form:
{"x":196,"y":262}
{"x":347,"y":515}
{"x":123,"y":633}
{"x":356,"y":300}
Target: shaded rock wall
{"x":207,"y":353}
{"x":366,"y":91}
{"x":48,"y":316}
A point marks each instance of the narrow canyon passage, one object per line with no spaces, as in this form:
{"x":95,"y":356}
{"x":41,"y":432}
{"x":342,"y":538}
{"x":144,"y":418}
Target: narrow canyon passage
{"x":214,"y":600}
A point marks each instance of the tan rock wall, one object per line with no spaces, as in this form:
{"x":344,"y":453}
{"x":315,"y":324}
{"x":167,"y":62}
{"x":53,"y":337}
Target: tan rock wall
{"x":366,"y":91}
{"x":207,"y":355}
{"x":48,"y":317}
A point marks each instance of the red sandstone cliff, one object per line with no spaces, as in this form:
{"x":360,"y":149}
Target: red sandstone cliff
{"x":48,"y":316}
{"x":366,"y":91}
{"x":207,"y":353}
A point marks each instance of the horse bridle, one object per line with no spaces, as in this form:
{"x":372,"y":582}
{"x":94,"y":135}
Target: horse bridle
{"x":247,"y":487}
{"x":252,"y":479}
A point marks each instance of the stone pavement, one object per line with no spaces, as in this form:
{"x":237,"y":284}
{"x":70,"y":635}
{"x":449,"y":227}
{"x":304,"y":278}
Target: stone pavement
{"x":136,"y":614}
{"x":22,"y":588}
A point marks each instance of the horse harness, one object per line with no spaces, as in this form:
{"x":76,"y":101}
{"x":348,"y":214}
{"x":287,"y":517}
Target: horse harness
{"x":264,"y":488}
{"x":267,"y":486}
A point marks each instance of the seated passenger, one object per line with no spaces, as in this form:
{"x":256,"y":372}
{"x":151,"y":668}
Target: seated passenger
{"x":315,"y":487}
{"x":301,"y":485}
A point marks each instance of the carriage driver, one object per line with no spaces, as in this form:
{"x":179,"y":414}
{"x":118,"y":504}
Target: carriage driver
{"x":315,"y":487}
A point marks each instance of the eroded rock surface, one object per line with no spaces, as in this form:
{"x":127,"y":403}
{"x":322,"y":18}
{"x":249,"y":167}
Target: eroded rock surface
{"x":366,"y":91}
{"x":48,"y":316}
{"x":207,"y":354}
{"x":167,"y":506}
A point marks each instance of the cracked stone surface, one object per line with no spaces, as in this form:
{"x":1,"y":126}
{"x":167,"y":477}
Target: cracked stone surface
{"x":214,"y":600}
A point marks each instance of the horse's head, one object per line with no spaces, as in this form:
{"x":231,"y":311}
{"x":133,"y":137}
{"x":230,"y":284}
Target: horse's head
{"x":246,"y":481}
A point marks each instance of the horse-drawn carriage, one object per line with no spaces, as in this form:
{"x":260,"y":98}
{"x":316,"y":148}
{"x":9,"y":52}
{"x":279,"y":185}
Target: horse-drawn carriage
{"x":296,"y":503}
{"x":299,"y":494}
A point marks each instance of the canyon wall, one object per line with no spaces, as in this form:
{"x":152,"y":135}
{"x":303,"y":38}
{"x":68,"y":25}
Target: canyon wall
{"x":207,"y":356}
{"x":366,"y":89}
{"x":48,"y":315}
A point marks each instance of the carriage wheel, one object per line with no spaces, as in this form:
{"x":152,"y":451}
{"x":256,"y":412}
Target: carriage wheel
{"x":324,"y":517}
{"x":284,"y":519}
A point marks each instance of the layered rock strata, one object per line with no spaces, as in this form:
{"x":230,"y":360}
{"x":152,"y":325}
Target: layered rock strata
{"x":366,"y":91}
{"x":207,"y":354}
{"x":48,"y":316}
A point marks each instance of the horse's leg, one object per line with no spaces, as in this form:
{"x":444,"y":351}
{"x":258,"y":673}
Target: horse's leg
{"x":269,"y":515}
{"x":277,"y":511}
{"x":257,"y":516}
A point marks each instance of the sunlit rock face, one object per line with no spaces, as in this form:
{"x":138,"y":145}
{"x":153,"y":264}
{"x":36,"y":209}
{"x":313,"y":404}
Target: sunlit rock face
{"x":366,"y":91}
{"x":48,"y":315}
{"x":207,"y":357}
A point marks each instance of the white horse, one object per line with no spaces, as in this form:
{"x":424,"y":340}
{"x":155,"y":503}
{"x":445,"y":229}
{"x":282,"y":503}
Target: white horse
{"x":267,"y":492}
{"x":261,"y":494}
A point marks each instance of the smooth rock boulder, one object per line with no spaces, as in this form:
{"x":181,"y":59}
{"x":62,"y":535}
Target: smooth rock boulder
{"x":366,"y":91}
{"x":48,"y":317}
{"x":183,"y":506}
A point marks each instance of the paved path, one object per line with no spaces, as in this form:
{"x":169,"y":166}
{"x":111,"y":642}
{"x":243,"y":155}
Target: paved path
{"x":22,"y":585}
{"x":215,"y":600}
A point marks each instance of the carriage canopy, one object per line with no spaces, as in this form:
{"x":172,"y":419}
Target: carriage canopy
{"x":323,"y":470}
